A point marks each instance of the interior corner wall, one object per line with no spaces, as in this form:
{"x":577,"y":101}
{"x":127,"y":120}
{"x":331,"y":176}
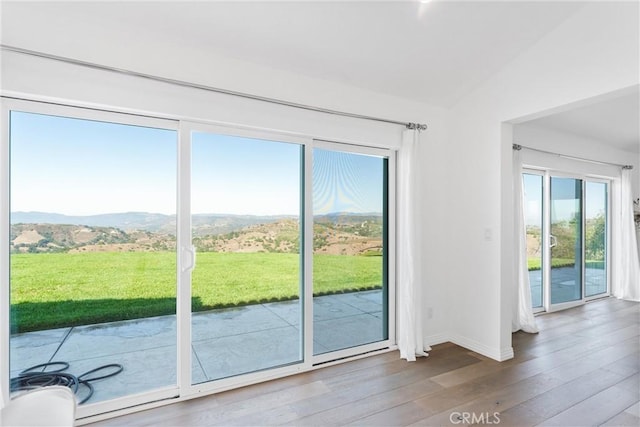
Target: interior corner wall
{"x":593,"y":52}
{"x":435,"y":234}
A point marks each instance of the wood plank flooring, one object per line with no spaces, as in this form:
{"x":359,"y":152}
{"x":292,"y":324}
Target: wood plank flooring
{"x":582,"y":369}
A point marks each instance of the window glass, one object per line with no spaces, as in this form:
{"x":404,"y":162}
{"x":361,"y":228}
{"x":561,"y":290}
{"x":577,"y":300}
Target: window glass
{"x":93,"y":258}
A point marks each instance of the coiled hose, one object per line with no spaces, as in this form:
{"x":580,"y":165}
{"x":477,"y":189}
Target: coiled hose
{"x":30,"y":379}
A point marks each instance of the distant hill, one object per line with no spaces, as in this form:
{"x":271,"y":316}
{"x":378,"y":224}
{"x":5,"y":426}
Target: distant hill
{"x":81,"y":238}
{"x":125,"y":220}
{"x":216,"y":224}
{"x":339,"y":233}
{"x":203,"y":224}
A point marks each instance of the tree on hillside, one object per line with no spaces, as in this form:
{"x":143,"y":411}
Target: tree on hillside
{"x":595,"y":238}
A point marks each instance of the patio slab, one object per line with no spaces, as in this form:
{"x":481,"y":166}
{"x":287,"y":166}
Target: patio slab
{"x":354,"y":331}
{"x":144,"y":370}
{"x":233,"y":321}
{"x":367,"y":302}
{"x":225,"y":342}
{"x":289,"y":311}
{"x":118,"y":337}
{"x":563,"y":284}
{"x":34,"y":348}
{"x":238,"y":354}
{"x":332,"y":307}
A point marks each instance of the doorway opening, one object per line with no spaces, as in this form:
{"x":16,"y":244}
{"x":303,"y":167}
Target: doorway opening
{"x":567,"y":223}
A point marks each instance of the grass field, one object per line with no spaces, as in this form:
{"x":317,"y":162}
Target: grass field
{"x":60,"y":289}
{"x":52,"y":290}
{"x":534,"y":264}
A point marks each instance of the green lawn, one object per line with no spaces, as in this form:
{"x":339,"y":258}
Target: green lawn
{"x":534,"y":264}
{"x":61,"y":289}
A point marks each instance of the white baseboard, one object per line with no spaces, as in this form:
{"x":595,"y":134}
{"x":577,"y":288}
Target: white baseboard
{"x":499,"y":354}
{"x":436,"y":339}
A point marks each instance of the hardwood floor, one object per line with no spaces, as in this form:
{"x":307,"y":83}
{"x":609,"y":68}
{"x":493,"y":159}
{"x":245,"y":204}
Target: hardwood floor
{"x":582,"y":369}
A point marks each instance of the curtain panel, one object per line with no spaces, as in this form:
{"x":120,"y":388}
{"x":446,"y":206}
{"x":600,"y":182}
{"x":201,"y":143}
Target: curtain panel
{"x":409,"y":253}
{"x":522,"y":316}
{"x":626,"y":279}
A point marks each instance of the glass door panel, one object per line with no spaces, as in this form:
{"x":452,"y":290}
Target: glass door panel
{"x":533,"y":209}
{"x":246,"y":229}
{"x":595,"y":238}
{"x":93,"y":257}
{"x":566,"y":239}
{"x":349,"y":250}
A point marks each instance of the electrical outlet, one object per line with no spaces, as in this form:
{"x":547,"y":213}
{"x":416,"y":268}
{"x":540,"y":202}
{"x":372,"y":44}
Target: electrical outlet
{"x":488,"y":234}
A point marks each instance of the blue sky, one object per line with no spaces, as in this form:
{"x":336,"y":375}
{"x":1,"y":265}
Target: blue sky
{"x":346,"y":182}
{"x":82,"y":167}
{"x":564,"y":205}
{"x":234,"y":175}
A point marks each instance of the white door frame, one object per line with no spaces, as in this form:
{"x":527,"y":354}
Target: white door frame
{"x":546,"y":175}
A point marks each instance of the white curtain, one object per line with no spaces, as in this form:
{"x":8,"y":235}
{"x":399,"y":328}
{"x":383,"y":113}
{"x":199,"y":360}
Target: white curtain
{"x":626,"y":265}
{"x":409,"y":256}
{"x":522,"y":316}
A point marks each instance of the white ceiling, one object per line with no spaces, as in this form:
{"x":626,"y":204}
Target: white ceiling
{"x":615,"y":122}
{"x":434,"y":53}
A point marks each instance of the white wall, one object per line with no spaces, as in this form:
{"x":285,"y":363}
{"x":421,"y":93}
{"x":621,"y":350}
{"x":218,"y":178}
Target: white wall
{"x":114,"y":44}
{"x":62,"y":29}
{"x":573,"y":145}
{"x":466,"y":153}
{"x":593,"y":52}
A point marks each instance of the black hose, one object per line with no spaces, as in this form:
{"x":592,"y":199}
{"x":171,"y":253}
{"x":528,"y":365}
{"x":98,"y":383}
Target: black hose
{"x":29,"y":379}
{"x":118,"y":367}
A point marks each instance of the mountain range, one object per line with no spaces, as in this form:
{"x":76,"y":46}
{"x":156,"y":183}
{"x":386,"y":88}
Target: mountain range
{"x":338,"y":233}
{"x":202,"y":224}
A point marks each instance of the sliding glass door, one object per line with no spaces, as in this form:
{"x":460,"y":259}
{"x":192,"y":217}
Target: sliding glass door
{"x":350,"y":249}
{"x":534,"y":214}
{"x":150,"y":259}
{"x":567,"y":238}
{"x":246,"y":287}
{"x":596,"y":236}
{"x":92,"y":254}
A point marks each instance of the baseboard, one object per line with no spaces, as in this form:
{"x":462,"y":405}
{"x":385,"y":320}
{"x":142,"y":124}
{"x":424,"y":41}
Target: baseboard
{"x":436,"y":339}
{"x":499,"y":354}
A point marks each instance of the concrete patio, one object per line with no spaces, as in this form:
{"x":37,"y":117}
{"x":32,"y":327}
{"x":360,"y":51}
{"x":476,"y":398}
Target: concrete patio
{"x":563,"y":284}
{"x":225,"y":342}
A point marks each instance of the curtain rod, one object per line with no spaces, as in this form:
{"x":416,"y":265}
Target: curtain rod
{"x":582,"y":159}
{"x":408,"y":125}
